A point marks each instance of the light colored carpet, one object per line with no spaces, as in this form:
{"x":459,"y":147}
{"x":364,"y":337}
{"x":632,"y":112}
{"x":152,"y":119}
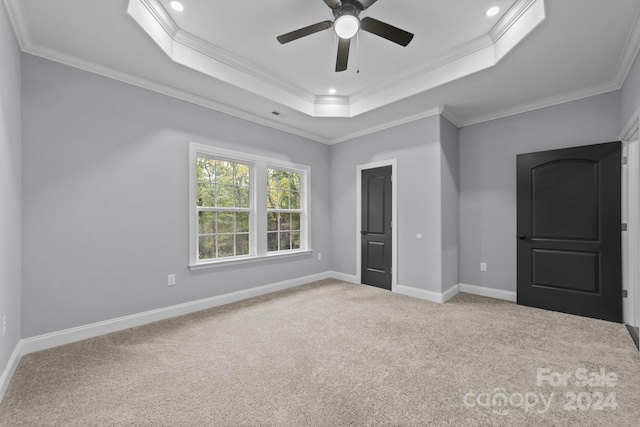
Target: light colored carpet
{"x":332,"y":353}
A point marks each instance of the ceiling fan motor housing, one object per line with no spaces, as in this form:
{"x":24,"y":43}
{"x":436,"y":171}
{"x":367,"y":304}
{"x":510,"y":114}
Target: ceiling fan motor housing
{"x":348,"y":7}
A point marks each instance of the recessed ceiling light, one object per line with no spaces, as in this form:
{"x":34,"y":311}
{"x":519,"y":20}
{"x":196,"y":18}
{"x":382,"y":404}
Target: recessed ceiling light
{"x":177,"y":6}
{"x":492,"y":11}
{"x":332,"y":91}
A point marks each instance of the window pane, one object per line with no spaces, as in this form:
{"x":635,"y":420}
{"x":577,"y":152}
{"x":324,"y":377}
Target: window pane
{"x":206,"y":170}
{"x":295,"y":240}
{"x":207,"y":247}
{"x":295,"y":221}
{"x":285,"y":242}
{"x":241,"y":175}
{"x":242,"y":222}
{"x":285,"y":221}
{"x":242,"y":197}
{"x":225,"y":245}
{"x":224,"y":172}
{"x":272,"y":199}
{"x":205,"y":194}
{"x":294,"y":201}
{"x":272,"y":181}
{"x":272,"y":242}
{"x":225,"y":196}
{"x":284,"y":199}
{"x":226,"y":222}
{"x":242,"y":244}
{"x":294,"y":182}
{"x":272,"y":221}
{"x":206,"y":222}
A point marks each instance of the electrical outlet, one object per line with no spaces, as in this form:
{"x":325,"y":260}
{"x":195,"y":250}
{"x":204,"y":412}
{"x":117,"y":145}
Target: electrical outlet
{"x":171,"y":279}
{"x":319,"y":256}
{"x":4,"y":326}
{"x":483,"y":266}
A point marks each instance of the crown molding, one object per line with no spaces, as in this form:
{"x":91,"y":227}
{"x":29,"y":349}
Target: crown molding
{"x":20,"y":26}
{"x":388,"y":125}
{"x":449,"y":115}
{"x":511,"y":17}
{"x":629,"y":54}
{"x":543,"y":103}
{"x":632,"y":128}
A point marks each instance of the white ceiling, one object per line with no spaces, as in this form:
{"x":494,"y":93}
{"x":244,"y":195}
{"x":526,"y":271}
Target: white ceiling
{"x":472,"y":68}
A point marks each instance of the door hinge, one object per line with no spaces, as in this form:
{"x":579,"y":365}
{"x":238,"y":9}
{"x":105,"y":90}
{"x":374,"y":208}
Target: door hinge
{"x":624,"y":226}
{"x":391,"y":176}
{"x":391,"y":224}
{"x":625,"y":160}
{"x":625,"y":293}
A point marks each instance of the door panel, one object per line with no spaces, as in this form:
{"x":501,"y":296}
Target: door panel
{"x":565,"y":200}
{"x":566,"y":270}
{"x":376,"y":214}
{"x":569,"y":236}
{"x":375,"y":260}
{"x":376,"y":227}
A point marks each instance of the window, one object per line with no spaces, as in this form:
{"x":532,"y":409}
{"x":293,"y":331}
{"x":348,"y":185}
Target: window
{"x":223,"y":204}
{"x":283,"y":210}
{"x":245,"y":208}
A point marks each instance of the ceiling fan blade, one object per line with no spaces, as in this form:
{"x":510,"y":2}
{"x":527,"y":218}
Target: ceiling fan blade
{"x":302,"y":32}
{"x":386,"y":31}
{"x":333,"y":3}
{"x":366,"y":3}
{"x":343,"y":54}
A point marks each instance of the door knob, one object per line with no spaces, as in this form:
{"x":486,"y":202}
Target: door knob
{"x":363,"y":232}
{"x":522,"y":236}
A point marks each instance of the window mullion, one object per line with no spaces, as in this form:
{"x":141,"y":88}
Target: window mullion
{"x":260,"y":210}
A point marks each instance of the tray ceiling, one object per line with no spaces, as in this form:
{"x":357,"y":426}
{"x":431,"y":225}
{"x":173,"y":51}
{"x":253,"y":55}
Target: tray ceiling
{"x":224,"y":55}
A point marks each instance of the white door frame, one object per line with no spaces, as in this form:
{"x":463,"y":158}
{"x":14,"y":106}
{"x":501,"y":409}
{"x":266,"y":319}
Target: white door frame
{"x":394,"y":217}
{"x":631,"y":215}
{"x":628,"y":279}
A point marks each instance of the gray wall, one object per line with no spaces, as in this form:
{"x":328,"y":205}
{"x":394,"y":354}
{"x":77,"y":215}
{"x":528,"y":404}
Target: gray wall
{"x":449,"y":196}
{"x":631,"y":93}
{"x":10,"y":188}
{"x":105,"y":198}
{"x":416,"y":146}
{"x":488,"y":177}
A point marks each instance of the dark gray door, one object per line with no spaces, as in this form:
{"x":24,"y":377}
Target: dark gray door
{"x":569,"y":234}
{"x":376,"y":227}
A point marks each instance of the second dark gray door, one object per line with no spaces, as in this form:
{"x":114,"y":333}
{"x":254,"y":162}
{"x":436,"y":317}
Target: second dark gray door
{"x":376,"y":227}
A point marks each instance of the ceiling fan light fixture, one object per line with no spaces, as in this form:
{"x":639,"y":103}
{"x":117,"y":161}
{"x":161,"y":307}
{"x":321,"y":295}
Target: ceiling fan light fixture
{"x":346,"y":26}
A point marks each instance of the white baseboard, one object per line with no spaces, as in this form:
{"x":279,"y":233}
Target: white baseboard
{"x":54,"y":339}
{"x":9,"y":370}
{"x":450,"y":293}
{"x":488,"y":292}
{"x":344,"y":277}
{"x":427,"y":295}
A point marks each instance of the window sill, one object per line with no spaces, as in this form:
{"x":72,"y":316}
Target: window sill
{"x":246,"y":260}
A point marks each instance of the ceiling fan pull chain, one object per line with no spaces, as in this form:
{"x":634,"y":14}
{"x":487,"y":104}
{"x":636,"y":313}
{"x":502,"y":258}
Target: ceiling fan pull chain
{"x":358,"y":53}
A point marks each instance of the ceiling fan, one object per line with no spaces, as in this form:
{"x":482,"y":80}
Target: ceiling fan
{"x":346,"y":24}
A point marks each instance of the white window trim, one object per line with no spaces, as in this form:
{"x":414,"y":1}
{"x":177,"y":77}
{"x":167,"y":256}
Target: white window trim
{"x":258,"y":202}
